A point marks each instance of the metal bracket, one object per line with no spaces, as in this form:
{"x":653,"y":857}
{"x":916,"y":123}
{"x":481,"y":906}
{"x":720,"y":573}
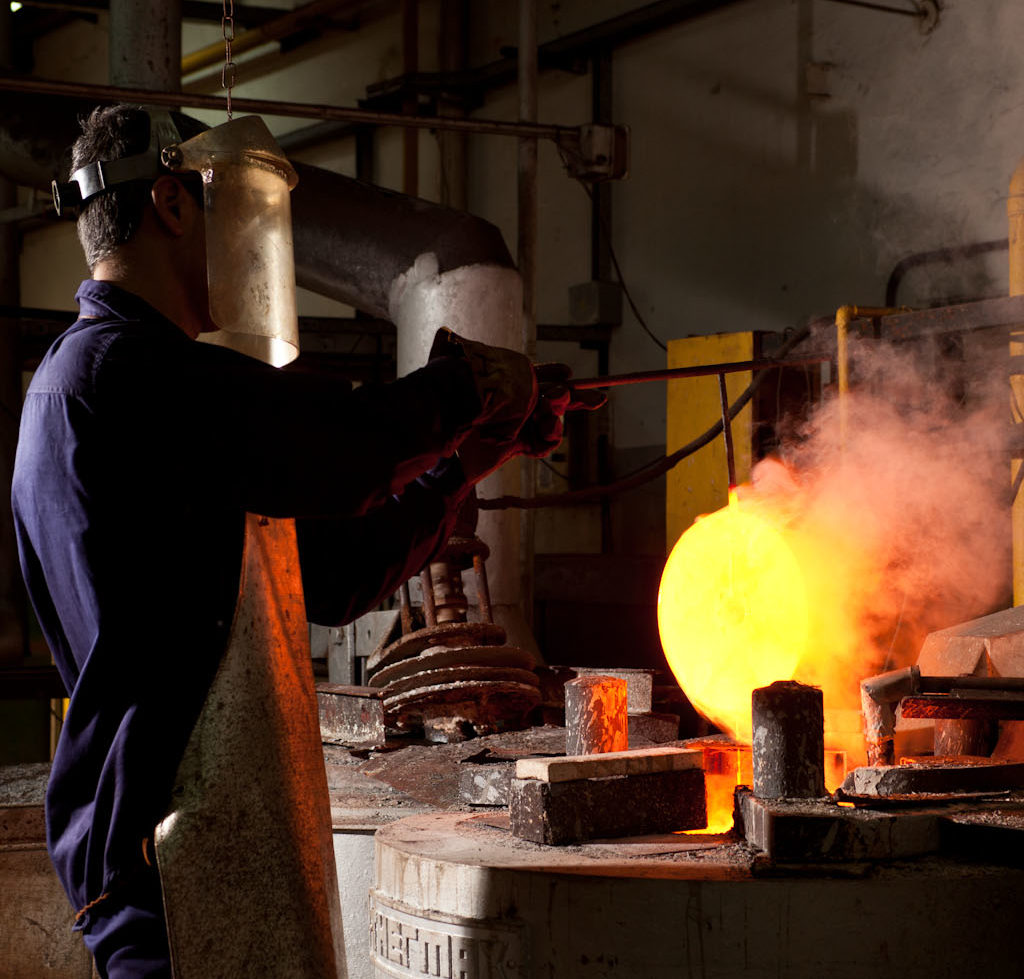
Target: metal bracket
{"x":596,"y":152}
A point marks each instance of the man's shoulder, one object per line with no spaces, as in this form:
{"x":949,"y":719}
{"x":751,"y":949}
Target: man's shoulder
{"x":73,"y":362}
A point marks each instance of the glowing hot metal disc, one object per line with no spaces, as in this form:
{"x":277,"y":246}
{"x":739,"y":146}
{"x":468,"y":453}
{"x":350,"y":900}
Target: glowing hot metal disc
{"x":732,"y":612}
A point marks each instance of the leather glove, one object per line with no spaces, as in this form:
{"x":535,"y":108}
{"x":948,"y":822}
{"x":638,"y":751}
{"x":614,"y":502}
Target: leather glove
{"x":543,"y":430}
{"x":505,"y":382}
{"x":481,"y":453}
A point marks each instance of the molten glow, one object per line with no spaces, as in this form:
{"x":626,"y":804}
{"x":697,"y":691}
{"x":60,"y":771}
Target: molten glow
{"x":720,"y":790}
{"x":733,"y":612}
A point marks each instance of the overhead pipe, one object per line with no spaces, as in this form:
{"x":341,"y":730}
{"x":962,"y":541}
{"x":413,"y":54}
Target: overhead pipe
{"x":563,"y":135}
{"x":844,"y":316}
{"x":354,"y":240}
{"x":452,"y":57}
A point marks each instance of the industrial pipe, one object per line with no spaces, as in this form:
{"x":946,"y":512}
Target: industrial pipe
{"x":353,"y":240}
{"x":299,"y":110}
{"x":879,"y":696}
{"x":526,"y":252}
{"x":302,"y":18}
{"x":844,"y":316}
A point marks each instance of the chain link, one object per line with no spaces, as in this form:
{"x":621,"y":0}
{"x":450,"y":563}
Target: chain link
{"x":227,"y":26}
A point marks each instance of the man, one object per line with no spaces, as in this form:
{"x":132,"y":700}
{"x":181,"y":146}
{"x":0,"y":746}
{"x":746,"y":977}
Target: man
{"x":141,"y":452}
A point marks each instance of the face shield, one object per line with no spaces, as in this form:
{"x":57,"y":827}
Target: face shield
{"x":249,"y":262}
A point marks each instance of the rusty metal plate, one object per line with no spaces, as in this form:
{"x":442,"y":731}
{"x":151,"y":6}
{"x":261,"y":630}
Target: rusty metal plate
{"x":438,"y":657}
{"x":903,"y":780}
{"x":483,"y":705}
{"x":458,"y":674}
{"x":450,"y":634}
{"x":350,"y":715}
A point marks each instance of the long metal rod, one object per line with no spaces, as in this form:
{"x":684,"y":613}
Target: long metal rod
{"x":730,"y":457}
{"x":671,"y":373}
{"x":269,"y":107}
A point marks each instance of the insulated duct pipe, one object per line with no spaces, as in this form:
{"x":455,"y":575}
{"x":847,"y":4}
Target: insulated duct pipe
{"x":422,"y":266}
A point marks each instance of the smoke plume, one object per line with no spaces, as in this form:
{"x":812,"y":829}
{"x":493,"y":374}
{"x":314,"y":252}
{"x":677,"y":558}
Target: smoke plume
{"x":902,"y":526}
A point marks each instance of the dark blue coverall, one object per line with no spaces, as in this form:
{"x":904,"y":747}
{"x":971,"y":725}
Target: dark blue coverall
{"x":140,"y":452}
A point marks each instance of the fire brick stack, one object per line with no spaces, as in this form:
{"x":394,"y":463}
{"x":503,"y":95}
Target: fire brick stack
{"x":598,"y":789}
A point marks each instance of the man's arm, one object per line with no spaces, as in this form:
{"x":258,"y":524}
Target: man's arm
{"x":214,"y":425}
{"x":350,"y":565}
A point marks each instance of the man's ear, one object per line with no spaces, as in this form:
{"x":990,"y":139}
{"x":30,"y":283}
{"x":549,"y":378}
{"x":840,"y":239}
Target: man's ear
{"x":175,"y":207}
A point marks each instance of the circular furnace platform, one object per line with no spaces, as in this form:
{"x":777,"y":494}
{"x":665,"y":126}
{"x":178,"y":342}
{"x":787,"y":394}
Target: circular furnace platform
{"x":456,"y":895}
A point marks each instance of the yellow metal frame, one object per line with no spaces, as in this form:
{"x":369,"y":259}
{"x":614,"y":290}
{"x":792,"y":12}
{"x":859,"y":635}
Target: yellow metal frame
{"x":700,"y":484}
{"x":845,"y":315}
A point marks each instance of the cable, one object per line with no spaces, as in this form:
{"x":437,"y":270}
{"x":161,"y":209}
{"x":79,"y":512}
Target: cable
{"x":606,"y":231}
{"x":547,"y":465}
{"x":656,"y":468}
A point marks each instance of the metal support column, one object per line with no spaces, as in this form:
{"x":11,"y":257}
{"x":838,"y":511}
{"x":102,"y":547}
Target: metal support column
{"x":410,"y":66}
{"x":452,"y":57}
{"x":601,"y":271}
{"x":145,"y":44}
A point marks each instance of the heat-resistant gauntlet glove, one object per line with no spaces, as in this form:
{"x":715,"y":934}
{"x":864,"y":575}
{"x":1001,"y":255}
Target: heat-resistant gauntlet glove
{"x":517,"y":418}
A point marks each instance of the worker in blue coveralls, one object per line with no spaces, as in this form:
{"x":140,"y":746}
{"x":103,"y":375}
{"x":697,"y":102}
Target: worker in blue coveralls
{"x":142,"y":451}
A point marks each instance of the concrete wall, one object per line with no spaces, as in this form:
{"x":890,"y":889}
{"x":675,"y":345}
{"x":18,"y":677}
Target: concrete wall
{"x":786,"y":154}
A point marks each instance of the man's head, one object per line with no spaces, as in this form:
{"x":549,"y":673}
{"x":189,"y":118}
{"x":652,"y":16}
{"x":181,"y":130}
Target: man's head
{"x":112,"y":219}
{"x":213,"y":253}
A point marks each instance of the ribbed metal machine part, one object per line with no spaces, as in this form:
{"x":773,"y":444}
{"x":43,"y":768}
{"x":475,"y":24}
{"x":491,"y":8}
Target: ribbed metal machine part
{"x":454,"y":678}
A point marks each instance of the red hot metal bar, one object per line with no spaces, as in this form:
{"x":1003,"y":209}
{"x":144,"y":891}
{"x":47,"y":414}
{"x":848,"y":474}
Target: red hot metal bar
{"x":671,"y":373}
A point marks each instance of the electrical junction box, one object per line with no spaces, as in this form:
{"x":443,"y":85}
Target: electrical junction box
{"x":595,"y":303}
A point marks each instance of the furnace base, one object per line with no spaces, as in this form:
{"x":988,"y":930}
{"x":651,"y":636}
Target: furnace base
{"x":456,"y":894}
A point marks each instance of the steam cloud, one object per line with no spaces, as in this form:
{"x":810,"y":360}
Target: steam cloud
{"x":905,"y":529}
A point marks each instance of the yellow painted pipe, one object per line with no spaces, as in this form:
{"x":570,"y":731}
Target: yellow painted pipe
{"x":844,"y":316}
{"x":306,"y":16}
{"x":213,"y":54}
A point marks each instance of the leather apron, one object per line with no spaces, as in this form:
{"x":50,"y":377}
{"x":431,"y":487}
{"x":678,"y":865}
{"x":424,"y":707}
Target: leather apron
{"x":245,"y":854}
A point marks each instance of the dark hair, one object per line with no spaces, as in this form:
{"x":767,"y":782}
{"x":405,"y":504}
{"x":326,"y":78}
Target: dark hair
{"x":112,"y":132}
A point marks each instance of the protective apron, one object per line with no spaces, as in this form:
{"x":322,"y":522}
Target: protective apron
{"x":245,"y":855}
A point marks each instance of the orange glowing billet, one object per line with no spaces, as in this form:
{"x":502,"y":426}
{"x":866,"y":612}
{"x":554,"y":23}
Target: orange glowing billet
{"x":733,"y":611}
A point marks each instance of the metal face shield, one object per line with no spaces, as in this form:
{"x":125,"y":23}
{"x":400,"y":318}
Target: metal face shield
{"x":250,"y":267}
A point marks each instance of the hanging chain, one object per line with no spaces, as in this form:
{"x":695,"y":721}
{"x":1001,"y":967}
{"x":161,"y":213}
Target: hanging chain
{"x":227,"y":73}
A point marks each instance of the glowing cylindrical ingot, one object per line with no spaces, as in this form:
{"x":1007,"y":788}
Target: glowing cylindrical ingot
{"x":596,"y":719}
